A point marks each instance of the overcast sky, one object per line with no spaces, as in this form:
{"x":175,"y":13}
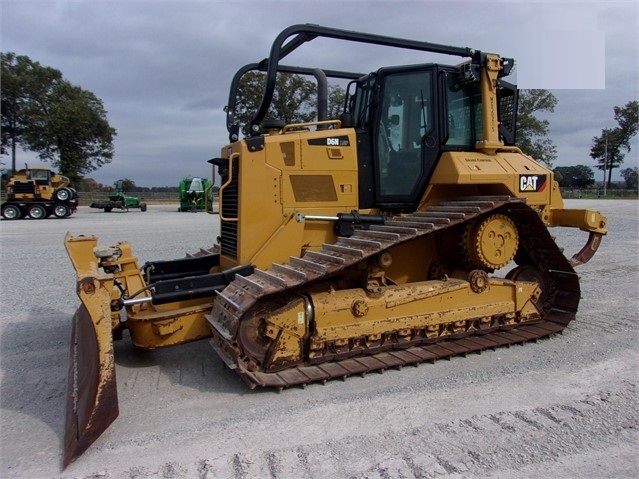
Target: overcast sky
{"x":163,"y":68}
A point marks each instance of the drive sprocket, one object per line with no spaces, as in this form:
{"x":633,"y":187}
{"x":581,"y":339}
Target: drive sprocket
{"x":491,"y":242}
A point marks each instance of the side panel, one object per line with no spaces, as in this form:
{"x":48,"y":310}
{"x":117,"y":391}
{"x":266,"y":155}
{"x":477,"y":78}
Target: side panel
{"x":309,"y":172}
{"x":504,"y":173}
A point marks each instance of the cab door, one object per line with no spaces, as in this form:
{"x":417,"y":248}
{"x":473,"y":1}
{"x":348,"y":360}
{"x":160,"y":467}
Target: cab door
{"x":406,"y":135}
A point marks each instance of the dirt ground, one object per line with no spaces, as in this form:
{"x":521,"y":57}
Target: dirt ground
{"x":564,"y":407}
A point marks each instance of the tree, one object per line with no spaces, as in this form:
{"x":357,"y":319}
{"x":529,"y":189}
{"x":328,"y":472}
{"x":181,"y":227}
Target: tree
{"x":44,"y":113}
{"x":631,"y":177}
{"x":23,"y":84}
{"x":336,"y":98}
{"x":532,"y":132}
{"x":125,"y":185}
{"x":580,"y":176}
{"x":294,"y":99}
{"x":608,"y":149}
{"x":89,"y":184}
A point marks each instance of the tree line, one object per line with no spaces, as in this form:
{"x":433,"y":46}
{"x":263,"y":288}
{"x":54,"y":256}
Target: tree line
{"x":62,"y":123}
{"x":582,"y":176}
{"x":125,"y":185}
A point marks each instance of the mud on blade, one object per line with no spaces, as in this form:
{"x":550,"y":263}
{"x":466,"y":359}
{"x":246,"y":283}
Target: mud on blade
{"x":92,"y":398}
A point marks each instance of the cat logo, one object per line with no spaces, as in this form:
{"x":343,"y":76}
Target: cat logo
{"x":532,"y":183}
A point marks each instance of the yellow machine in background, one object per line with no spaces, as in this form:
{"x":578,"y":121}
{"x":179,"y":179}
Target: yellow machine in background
{"x":348,"y":244}
{"x":38,"y":193}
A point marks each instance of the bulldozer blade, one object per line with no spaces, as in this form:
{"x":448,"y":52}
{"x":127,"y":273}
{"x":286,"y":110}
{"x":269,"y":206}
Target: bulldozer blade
{"x":92,"y":397}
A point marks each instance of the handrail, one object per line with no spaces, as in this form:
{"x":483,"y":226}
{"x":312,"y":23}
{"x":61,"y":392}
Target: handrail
{"x":232,"y":124}
{"x":223,"y":187}
{"x":292,"y":126}
{"x":206,"y":199}
{"x":303,"y":33}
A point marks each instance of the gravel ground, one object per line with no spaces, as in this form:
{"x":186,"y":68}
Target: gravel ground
{"x":564,"y":407}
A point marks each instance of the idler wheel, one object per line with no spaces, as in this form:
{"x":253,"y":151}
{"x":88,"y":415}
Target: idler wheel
{"x":532,"y":274}
{"x":252,"y":332}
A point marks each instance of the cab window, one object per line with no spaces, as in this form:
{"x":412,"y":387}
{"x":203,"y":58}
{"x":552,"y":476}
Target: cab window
{"x":464,"y":120}
{"x":406,"y":117}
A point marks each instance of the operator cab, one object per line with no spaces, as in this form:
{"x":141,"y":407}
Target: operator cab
{"x":405,"y":118}
{"x":41,"y":177}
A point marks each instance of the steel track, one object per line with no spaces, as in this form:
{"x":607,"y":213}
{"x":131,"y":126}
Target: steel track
{"x":537,"y":248}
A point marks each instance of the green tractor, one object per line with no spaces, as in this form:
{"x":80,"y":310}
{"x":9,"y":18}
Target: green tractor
{"x":195,"y":194}
{"x":119,"y":200}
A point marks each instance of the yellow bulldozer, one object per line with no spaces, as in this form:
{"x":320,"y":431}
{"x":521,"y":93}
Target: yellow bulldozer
{"x":37,"y":193}
{"x":408,"y":229}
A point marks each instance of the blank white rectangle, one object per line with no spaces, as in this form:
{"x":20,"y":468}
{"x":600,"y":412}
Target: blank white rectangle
{"x":561,"y":59}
